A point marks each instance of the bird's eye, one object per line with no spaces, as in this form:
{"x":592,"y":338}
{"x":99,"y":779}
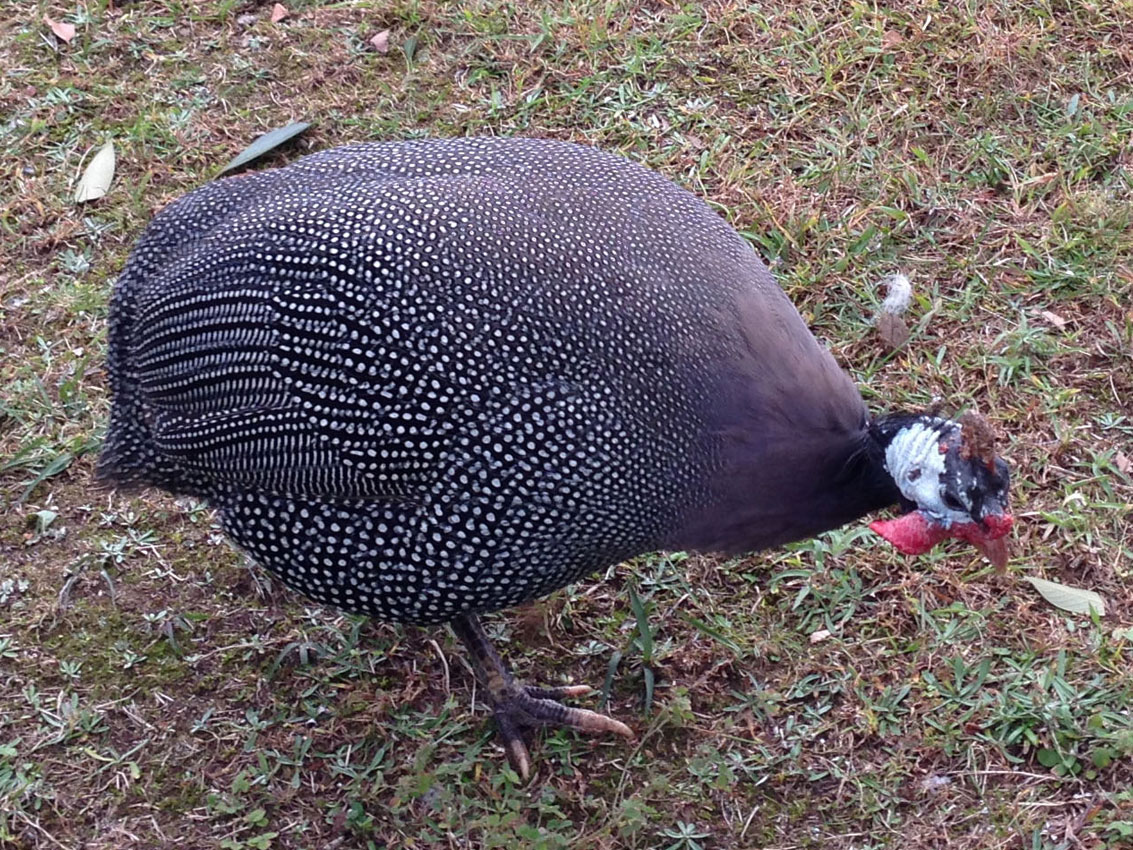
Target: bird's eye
{"x":952,"y":502}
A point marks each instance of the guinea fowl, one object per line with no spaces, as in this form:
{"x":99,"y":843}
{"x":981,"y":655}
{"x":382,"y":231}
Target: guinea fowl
{"x":428,"y":380}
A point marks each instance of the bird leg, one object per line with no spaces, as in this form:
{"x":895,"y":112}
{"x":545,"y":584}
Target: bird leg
{"x":517,"y":707}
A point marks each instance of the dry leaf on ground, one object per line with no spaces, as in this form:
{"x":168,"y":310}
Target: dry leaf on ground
{"x":891,"y":39}
{"x":1074,"y":599}
{"x":63,"y":30}
{"x":893,"y":331}
{"x":266,"y":143}
{"x":380,"y":42}
{"x":99,"y":173}
{"x":1053,"y":319}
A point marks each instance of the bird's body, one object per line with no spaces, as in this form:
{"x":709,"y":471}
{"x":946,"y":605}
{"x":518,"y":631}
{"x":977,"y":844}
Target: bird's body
{"x":426,"y":380}
{"x":433,"y":378}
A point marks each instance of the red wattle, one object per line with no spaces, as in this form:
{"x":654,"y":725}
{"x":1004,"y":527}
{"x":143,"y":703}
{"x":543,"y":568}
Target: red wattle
{"x":911,"y":533}
{"x":998,"y":524}
{"x":914,"y":534}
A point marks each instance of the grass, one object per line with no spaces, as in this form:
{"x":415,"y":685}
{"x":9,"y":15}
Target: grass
{"x":155,"y":691}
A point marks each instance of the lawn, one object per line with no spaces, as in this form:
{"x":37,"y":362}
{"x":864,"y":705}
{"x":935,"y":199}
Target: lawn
{"x":156,"y":691}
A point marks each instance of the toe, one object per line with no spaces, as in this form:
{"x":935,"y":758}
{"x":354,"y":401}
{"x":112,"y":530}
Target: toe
{"x":594,"y":723}
{"x":511,"y":738}
{"x":558,"y":692}
{"x":548,"y":713}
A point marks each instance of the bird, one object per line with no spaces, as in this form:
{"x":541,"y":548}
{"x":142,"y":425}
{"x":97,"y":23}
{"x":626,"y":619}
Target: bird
{"x":427,"y":380}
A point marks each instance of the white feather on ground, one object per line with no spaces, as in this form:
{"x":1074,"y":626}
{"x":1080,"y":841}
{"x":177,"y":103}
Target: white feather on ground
{"x":898,"y":295}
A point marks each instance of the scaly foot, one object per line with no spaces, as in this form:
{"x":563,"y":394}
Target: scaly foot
{"x":518,"y":707}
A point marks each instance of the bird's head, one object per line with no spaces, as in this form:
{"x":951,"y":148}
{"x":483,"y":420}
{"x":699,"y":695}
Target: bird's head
{"x":952,"y":484}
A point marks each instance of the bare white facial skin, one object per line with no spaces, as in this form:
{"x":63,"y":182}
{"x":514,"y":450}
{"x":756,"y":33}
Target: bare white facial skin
{"x":915,"y":461}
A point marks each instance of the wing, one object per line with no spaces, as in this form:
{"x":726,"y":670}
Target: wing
{"x":279,"y":353}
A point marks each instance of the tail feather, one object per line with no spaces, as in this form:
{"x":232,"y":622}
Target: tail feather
{"x":127,"y":462}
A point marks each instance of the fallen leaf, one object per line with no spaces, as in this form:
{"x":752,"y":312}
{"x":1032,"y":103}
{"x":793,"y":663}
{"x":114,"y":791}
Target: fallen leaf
{"x":934,"y":784}
{"x":267,"y":142}
{"x":380,"y":42}
{"x":893,"y":331}
{"x":96,"y":179}
{"x":819,"y":636}
{"x":1073,"y":599}
{"x":41,"y":520}
{"x":1123,"y":463}
{"x":278,"y":13}
{"x":63,"y":30}
{"x":1054,"y":319}
{"x":410,"y":48}
{"x":891,"y":39}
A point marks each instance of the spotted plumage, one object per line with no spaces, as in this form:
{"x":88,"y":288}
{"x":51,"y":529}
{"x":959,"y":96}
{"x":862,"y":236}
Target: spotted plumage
{"x":428,"y":378}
